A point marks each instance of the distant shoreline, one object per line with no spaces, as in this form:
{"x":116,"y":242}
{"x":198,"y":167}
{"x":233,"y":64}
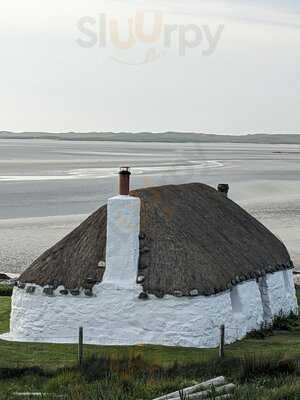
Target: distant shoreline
{"x":149,"y":137}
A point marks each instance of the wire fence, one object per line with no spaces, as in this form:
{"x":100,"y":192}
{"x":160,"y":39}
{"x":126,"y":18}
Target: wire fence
{"x":49,"y":352}
{"x":61,"y":354}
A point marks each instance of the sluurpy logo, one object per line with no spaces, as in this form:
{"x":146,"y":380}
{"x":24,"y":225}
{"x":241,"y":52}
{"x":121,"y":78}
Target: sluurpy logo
{"x":149,"y":33}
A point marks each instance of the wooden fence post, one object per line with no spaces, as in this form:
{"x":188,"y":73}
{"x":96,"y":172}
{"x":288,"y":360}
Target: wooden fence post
{"x":222,"y":341}
{"x":80,"y":346}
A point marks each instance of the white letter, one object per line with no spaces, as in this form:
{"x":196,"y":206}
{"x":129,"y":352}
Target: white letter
{"x":212,"y":40}
{"x":88,"y":32}
{"x":169,"y":29}
{"x":184,"y":41}
{"x":114,"y":34}
{"x":157,"y":27}
{"x":102,"y":30}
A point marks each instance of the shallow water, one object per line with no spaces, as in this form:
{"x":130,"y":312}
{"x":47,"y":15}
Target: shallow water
{"x":48,"y":187}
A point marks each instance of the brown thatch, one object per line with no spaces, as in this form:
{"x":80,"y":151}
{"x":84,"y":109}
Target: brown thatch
{"x":73,"y":262}
{"x":193,"y":241}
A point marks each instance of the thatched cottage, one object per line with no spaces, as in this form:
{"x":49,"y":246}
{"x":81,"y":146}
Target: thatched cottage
{"x":164,"y":265}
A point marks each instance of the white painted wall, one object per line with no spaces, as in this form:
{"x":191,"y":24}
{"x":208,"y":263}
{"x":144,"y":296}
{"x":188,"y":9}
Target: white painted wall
{"x":122,"y":249}
{"x":118,"y":317}
{"x":282,"y":293}
{"x":115,"y":315}
{"x":250,"y":315}
{"x":265,"y":297}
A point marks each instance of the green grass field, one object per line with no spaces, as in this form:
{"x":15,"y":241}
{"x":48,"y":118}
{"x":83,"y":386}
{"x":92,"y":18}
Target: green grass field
{"x":275,"y":358}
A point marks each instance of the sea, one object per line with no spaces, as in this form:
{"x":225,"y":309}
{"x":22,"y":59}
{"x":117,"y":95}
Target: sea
{"x":48,"y":187}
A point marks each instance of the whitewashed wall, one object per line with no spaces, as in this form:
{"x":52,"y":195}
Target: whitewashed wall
{"x":281,"y":289}
{"x":115,"y":314}
{"x":118,"y":317}
{"x":122,"y":245}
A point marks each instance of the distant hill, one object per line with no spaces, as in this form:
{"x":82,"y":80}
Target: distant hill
{"x":169,"y":137}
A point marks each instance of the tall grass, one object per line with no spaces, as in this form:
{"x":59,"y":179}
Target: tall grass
{"x":257,"y":377}
{"x":5,"y":290}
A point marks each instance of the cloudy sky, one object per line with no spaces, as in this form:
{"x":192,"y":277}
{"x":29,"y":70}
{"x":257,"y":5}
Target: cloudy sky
{"x":215,"y":66}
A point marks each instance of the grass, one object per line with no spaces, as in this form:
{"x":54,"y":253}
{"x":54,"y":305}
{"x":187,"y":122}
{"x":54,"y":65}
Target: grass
{"x":131,"y":379}
{"x":264,"y":367}
{"x":5,"y":305}
{"x":5,"y":290}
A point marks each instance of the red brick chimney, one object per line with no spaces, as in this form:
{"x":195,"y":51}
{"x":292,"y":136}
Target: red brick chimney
{"x":124,"y":181}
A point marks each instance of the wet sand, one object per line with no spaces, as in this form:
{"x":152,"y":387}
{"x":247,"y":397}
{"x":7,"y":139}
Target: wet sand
{"x":48,"y":187}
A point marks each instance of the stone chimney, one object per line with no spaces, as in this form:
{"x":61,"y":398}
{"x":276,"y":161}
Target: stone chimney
{"x":223,"y":188}
{"x":122,"y":245}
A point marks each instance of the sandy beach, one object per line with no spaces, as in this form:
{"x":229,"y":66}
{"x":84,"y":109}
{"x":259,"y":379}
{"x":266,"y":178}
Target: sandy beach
{"x":48,"y":187}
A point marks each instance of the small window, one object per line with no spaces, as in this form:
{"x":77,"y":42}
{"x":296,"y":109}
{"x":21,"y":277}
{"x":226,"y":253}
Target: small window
{"x":236,"y":303}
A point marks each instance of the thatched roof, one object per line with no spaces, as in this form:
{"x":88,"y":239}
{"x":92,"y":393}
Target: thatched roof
{"x":193,"y":240}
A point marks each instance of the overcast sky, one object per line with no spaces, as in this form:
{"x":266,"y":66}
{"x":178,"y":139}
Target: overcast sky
{"x":209,"y":66}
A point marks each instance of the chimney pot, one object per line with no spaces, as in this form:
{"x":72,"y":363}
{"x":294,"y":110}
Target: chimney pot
{"x":223,"y":188}
{"x":124,"y":181}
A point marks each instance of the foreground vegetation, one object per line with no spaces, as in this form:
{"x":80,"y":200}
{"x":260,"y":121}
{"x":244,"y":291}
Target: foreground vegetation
{"x":264,"y":366}
{"x":5,"y":290}
{"x":103,"y":378}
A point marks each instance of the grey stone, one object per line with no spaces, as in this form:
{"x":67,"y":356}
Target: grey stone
{"x":143,"y":296}
{"x":159,"y":294}
{"x":48,"y":291}
{"x":194,"y":292}
{"x":140,"y":279}
{"x":75,"y":292}
{"x":30,"y":289}
{"x":144,"y":250}
{"x":177,"y":293}
{"x":101,"y":264}
{"x":88,"y":292}
{"x":64,"y":292}
{"x":91,"y":280}
{"x":21,"y":285}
